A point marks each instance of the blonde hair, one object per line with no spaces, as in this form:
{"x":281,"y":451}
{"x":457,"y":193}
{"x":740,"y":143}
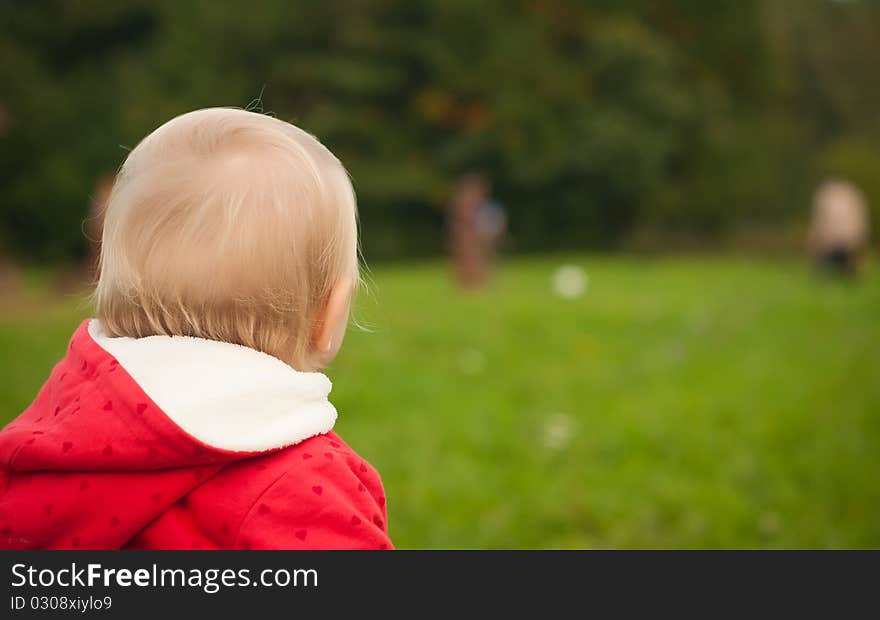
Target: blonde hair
{"x":227,"y":225}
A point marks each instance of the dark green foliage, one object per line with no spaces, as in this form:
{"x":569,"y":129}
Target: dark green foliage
{"x":593,"y":119}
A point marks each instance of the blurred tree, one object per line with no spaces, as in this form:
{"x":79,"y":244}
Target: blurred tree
{"x":592,"y":118}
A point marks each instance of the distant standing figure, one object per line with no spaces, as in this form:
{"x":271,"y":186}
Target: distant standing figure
{"x":839,"y":228}
{"x":95,"y":223}
{"x":476,"y":225}
{"x":76,"y":274}
{"x":10,"y":279}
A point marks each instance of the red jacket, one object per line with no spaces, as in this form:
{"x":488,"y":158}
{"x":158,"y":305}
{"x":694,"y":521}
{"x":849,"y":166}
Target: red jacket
{"x":182,"y":443}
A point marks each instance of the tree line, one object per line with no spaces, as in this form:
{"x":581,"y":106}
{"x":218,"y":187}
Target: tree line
{"x":594,"y":120}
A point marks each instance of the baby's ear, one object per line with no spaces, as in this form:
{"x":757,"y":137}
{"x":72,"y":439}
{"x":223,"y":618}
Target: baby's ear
{"x":328,"y":329}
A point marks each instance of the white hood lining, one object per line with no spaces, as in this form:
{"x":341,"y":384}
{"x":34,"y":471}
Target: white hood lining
{"x":225,"y":395}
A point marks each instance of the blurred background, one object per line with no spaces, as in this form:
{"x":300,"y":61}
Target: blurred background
{"x":604,"y":308}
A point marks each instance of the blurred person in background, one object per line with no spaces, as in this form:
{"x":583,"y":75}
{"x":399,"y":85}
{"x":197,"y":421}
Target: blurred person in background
{"x":492,"y":224}
{"x":85,"y":269}
{"x":94,"y":226}
{"x":838,"y":235}
{"x":476,"y":226}
{"x":10,"y":277}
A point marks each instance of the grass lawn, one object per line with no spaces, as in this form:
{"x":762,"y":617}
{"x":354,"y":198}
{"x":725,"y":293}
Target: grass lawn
{"x":686,"y":402}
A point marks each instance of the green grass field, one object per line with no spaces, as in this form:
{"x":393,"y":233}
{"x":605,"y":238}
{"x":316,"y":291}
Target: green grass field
{"x":686,"y":403}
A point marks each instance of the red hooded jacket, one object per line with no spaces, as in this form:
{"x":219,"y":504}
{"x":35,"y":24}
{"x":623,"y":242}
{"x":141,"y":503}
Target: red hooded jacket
{"x":182,"y":443}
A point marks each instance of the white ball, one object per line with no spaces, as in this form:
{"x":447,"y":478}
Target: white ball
{"x":570,"y":281}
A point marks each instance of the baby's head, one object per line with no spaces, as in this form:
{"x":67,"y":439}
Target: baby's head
{"x":232,"y":226}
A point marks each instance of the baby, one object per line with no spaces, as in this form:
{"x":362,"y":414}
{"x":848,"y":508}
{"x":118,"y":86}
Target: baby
{"x":191,"y":413}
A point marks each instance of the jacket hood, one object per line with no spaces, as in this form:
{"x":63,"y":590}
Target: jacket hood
{"x":171,"y":410}
{"x":225,"y":395}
